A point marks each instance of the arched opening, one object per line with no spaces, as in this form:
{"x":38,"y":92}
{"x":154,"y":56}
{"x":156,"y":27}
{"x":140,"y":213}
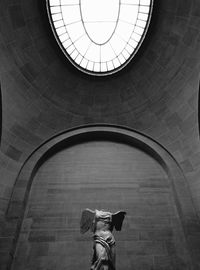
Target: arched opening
{"x":101,"y":167}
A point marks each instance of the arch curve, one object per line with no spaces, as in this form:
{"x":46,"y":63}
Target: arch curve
{"x":17,"y":206}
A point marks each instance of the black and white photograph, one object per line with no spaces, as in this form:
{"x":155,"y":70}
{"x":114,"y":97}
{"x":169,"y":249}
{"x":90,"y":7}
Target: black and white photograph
{"x":99,"y":135}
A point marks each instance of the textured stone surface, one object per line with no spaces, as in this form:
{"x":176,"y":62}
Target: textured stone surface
{"x":100,"y":175}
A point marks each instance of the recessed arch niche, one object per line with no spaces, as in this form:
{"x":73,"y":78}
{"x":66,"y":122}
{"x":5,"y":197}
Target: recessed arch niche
{"x":101,"y":167}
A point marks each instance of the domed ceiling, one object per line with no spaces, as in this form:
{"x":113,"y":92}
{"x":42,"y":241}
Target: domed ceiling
{"x":44,"y":93}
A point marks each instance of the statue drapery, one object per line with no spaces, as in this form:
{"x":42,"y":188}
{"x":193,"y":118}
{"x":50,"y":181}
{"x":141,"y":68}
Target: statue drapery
{"x":102,"y":223}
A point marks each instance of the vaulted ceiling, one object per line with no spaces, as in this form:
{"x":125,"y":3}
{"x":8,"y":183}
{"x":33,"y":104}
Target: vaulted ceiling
{"x":44,"y":93}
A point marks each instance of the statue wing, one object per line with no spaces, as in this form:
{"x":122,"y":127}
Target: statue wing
{"x":87,"y":219}
{"x":117,"y":219}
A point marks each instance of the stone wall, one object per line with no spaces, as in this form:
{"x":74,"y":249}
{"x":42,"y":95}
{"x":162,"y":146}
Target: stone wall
{"x":42,"y":94}
{"x":101,"y":175}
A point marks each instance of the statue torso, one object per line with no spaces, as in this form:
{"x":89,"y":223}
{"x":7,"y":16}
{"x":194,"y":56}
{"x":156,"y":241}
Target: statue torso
{"x":103,"y":226}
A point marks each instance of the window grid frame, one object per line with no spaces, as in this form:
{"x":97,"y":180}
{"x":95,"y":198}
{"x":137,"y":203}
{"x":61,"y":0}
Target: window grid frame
{"x":93,"y":72}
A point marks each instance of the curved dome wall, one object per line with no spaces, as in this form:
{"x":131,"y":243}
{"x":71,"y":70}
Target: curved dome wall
{"x":42,"y":94}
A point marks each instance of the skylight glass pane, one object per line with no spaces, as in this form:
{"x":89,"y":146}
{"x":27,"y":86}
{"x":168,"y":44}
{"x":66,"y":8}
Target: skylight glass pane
{"x":58,"y":24}
{"x":121,"y":59}
{"x":129,"y":49}
{"x":97,"y":67}
{"x":145,"y":2}
{"x":116,"y":62}
{"x":144,"y":9}
{"x":129,"y":13}
{"x":124,"y":30}
{"x":117,"y":44}
{"x":100,"y":35}
{"x":100,"y":32}
{"x":64,"y":37}
{"x":143,"y":16}
{"x":76,"y":31}
{"x":125,"y":54}
{"x":141,"y":23}
{"x":133,"y":43}
{"x":57,"y":17}
{"x":74,"y":54}
{"x":69,"y":2}
{"x":107,"y":53}
{"x":71,"y":14}
{"x":83,"y":44}
{"x":61,"y":30}
{"x":84,"y":63}
{"x":110,"y":65}
{"x":90,"y":66}
{"x":67,"y":43}
{"x":70,"y":49}
{"x":79,"y":58}
{"x":131,"y":2}
{"x":55,"y":9}
{"x":99,"y":10}
{"x":54,"y":2}
{"x":136,"y":37}
{"x":103,"y":67}
{"x":93,"y":53}
{"x":139,"y":30}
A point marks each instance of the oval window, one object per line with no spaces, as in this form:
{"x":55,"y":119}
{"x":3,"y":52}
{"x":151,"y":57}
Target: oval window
{"x":99,"y":36}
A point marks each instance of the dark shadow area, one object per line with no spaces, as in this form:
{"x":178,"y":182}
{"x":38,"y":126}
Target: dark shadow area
{"x":99,"y":136}
{"x":199,"y":108}
{"x":0,"y":114}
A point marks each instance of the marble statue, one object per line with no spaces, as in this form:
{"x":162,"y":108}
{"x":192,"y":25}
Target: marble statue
{"x":102,"y":223}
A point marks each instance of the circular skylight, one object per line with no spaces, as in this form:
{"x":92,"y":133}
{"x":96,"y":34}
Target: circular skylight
{"x":99,"y":36}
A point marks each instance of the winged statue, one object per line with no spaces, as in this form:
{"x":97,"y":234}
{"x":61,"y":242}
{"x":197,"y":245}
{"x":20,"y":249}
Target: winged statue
{"x":102,"y":223}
